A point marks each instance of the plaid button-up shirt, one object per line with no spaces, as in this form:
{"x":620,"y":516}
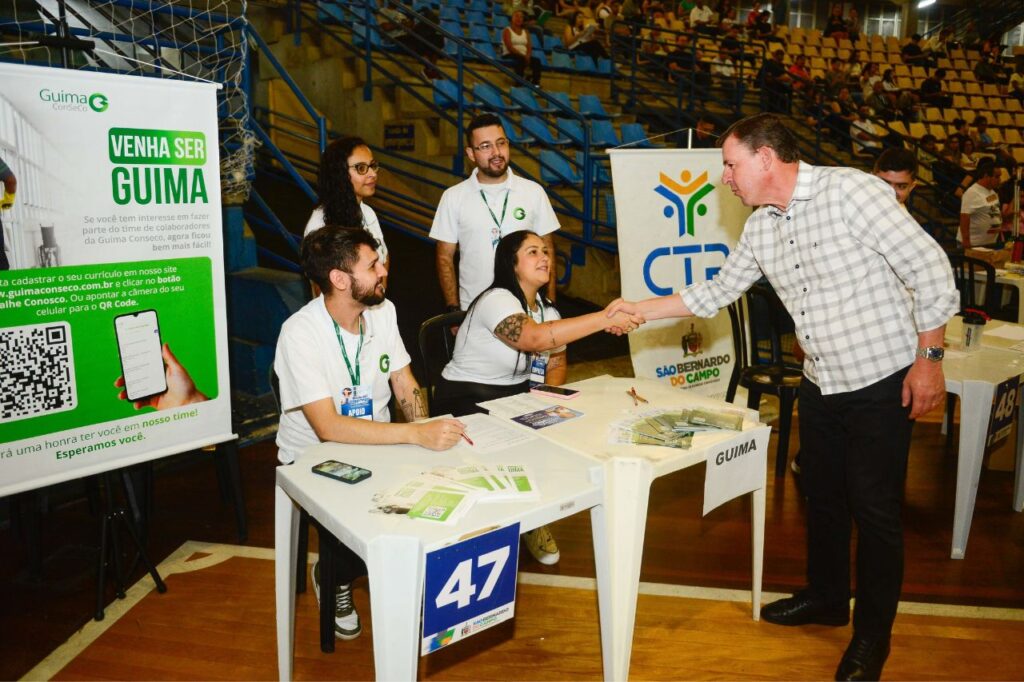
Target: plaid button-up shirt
{"x":857,"y":273}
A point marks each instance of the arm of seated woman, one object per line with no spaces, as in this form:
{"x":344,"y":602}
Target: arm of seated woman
{"x":521,"y":332}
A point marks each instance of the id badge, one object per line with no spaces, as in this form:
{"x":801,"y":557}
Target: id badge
{"x":538,"y":368}
{"x":357,"y":402}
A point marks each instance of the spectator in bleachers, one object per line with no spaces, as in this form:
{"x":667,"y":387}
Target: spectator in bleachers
{"x":687,"y":67}
{"x":927,"y":154}
{"x":753,"y":15}
{"x":732,"y":46}
{"x":931,"y":90}
{"x":704,"y":136}
{"x":683,"y":9}
{"x":853,"y":25}
{"x":961,"y":128}
{"x":987,"y":145}
{"x":815,"y":109}
{"x":842,"y":113}
{"x":912,"y":53}
{"x":836,"y":77}
{"x":728,"y":18}
{"x":835,"y":25}
{"x":580,"y":36}
{"x":968,"y":154}
{"x":865,"y":135}
{"x":1017,"y":81}
{"x":776,"y":84}
{"x":869,"y":75}
{"x":800,"y":73}
{"x":702,"y":19}
{"x":898,"y":167}
{"x":935,"y":45}
{"x":427,"y":41}
{"x":889,"y":81}
{"x":515,"y":44}
{"x":882,"y":103}
{"x":951,"y":150}
{"x":764,"y":29}
{"x":566,"y":7}
{"x":980,"y":212}
{"x":987,"y":70}
{"x":604,"y":13}
{"x":971,"y":39}
{"x":853,"y":68}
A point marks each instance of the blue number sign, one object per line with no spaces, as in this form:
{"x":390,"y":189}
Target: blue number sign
{"x":469,"y":587}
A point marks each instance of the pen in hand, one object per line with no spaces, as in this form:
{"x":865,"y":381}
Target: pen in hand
{"x":468,"y":439}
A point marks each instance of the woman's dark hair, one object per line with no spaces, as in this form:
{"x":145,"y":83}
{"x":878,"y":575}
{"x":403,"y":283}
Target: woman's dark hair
{"x":505,"y":259}
{"x":337,"y":197}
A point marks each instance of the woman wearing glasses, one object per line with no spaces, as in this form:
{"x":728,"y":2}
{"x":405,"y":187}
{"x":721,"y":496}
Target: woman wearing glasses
{"x":348,"y":176}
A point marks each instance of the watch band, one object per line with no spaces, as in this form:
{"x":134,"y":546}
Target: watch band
{"x":933,"y":353}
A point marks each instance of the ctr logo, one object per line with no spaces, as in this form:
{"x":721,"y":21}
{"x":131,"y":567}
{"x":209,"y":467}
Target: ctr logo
{"x":676,"y":194}
{"x":685,"y":205}
{"x":98,"y":102}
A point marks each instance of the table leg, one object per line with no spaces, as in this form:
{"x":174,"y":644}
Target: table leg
{"x":286,"y":525}
{"x":395,"y":566}
{"x":975,"y":409}
{"x":757,"y":512}
{"x":1018,"y":481}
{"x":618,"y":533}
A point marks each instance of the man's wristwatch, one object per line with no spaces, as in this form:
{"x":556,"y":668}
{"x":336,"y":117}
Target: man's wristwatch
{"x":933,"y":353}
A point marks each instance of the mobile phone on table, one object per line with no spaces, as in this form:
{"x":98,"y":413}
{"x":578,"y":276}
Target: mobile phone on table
{"x":346,"y":473}
{"x":141,"y":353}
{"x":555,"y":391}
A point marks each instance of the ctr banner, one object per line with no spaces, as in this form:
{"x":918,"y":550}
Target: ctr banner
{"x":113,"y":335}
{"x":676,"y":226}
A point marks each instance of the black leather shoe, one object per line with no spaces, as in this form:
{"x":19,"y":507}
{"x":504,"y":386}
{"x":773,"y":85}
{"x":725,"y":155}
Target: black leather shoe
{"x":802,"y":609}
{"x":863,"y":659}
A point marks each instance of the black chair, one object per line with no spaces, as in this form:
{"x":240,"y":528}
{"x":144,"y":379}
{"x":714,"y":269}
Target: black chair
{"x":969,"y":273}
{"x":437,"y":343}
{"x":761,"y":359}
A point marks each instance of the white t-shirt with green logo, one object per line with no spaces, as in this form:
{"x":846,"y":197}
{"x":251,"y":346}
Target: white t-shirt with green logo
{"x":463,"y":218}
{"x":310,"y":367}
{"x":983,"y":206}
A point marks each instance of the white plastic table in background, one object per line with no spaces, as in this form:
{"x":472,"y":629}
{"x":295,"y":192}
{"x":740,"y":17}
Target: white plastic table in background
{"x":628,"y":471}
{"x":974,"y":377}
{"x":394,"y":547}
{"x":1012,"y":280}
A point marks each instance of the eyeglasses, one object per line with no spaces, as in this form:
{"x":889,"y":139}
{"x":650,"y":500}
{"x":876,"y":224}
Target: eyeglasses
{"x":362,"y":168}
{"x":500,"y":143}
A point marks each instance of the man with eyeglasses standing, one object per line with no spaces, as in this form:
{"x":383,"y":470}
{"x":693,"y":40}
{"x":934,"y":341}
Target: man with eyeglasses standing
{"x":475,"y":214}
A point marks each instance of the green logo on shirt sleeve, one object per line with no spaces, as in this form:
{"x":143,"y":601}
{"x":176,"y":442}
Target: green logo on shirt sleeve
{"x":519,"y":213}
{"x":385,"y":363}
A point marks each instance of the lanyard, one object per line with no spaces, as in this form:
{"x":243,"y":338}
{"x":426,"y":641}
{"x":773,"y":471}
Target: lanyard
{"x":353,"y":376}
{"x":504,"y":207}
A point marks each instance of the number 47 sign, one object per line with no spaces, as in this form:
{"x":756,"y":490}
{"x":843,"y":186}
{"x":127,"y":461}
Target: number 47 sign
{"x":469,"y":587}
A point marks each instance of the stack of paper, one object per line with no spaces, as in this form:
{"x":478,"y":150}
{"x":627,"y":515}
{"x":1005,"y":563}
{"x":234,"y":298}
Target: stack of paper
{"x":671,"y":428}
{"x":495,"y":482}
{"x":428,"y":497}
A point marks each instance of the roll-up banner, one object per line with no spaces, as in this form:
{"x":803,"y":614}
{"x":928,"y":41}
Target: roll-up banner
{"x":676,"y":225}
{"x":113,"y":334}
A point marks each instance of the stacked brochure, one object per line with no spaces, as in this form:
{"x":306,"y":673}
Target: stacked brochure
{"x":671,"y":428}
{"x":446,"y":493}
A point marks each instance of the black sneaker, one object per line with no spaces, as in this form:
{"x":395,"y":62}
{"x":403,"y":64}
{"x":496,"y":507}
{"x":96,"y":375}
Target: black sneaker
{"x":346,"y":619}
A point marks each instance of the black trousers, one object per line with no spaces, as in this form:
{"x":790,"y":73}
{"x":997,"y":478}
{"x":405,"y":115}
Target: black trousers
{"x":853,"y":457}
{"x":459,"y":398}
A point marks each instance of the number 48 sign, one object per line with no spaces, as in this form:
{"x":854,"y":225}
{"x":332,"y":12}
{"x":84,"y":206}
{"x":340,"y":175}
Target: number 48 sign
{"x":1003,"y":410}
{"x":469,"y":587}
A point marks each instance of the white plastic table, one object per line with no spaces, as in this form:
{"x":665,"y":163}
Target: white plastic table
{"x":394,"y":547}
{"x":1012,"y":280}
{"x":628,"y":471}
{"x":974,"y":377}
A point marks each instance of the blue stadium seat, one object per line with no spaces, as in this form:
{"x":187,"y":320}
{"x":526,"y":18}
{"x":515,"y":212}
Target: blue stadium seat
{"x":585,"y":63}
{"x":562,"y":98}
{"x":479,"y":32}
{"x":634,"y":133}
{"x":562,"y":61}
{"x":609,"y":207}
{"x":552,"y":42}
{"x":452,"y":26}
{"x":523,"y":96}
{"x":572,"y":129}
{"x":536,"y":127}
{"x":602,"y":134}
{"x":476,"y":17}
{"x":499,"y":20}
{"x":555,"y":169}
{"x":446,"y":93}
{"x":600,"y":175}
{"x":487,"y":48}
{"x":450,"y":13}
{"x":360,"y":33}
{"x":330,"y":13}
{"x":484,"y":6}
{"x":458,"y":4}
{"x":604,"y":66}
{"x":591,"y":107}
{"x":514,"y":135}
{"x":489,"y":96}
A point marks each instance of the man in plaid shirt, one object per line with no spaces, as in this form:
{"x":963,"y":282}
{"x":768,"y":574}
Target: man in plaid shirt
{"x":870,"y":293}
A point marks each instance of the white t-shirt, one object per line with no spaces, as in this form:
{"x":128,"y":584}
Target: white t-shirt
{"x":520,"y":42}
{"x":700,"y":15}
{"x":482,"y":357}
{"x":983,"y":207}
{"x":370,"y":224}
{"x":463,"y":218}
{"x":310,"y":367}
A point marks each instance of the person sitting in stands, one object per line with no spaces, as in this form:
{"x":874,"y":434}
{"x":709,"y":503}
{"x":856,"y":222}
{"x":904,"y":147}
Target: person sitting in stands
{"x":835,"y":25}
{"x":931,"y":90}
{"x":702,"y":19}
{"x":865,"y":134}
{"x":513,"y":336}
{"x":515,"y":44}
{"x":951,"y":150}
{"x":836,"y":76}
{"x":853,"y":25}
{"x":800,"y":74}
{"x":580,"y":36}
{"x":912,"y":53}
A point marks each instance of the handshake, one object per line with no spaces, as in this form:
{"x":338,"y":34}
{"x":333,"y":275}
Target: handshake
{"x":623,"y":317}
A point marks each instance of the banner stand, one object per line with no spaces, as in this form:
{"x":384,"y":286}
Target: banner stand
{"x":108,"y":529}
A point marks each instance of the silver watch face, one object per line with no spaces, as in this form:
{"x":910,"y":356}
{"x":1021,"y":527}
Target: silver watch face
{"x":931,"y":353}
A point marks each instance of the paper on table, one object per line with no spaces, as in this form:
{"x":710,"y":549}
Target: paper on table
{"x":490,"y":434}
{"x":1013,"y":332}
{"x":515,"y":405}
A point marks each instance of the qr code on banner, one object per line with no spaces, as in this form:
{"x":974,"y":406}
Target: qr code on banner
{"x":37,"y":372}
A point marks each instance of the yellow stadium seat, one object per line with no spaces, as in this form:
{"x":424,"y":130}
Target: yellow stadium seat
{"x":973,"y":88}
{"x":1004,"y":119}
{"x":1013,"y":136}
{"x":978,"y":103}
{"x":1018,"y":154}
{"x":901,"y":70}
{"x":898,"y":128}
{"x":949,"y":114}
{"x":938,"y":130}
{"x":917,"y":130}
{"x":918,"y":72}
{"x":955,"y":87}
{"x":990,"y":90}
{"x":933,"y":114}
{"x":960,"y":102}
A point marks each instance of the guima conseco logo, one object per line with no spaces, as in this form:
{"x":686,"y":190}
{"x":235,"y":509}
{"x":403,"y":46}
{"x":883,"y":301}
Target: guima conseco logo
{"x":66,"y":100}
{"x":685,"y":199}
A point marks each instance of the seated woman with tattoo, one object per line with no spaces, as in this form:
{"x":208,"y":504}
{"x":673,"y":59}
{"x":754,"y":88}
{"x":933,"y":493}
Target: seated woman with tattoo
{"x":512,"y":336}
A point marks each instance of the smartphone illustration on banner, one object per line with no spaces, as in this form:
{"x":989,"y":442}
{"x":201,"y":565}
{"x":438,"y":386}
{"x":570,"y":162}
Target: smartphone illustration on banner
{"x":141,"y":353}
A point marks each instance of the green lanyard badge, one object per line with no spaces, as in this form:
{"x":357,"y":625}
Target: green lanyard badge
{"x":496,"y":233}
{"x":352,"y":375}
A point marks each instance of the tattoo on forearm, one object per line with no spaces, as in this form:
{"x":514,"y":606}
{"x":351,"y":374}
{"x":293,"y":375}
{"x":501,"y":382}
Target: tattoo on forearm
{"x":419,"y":404}
{"x":511,"y":327}
{"x":406,"y":409}
{"x":551,"y":331}
{"x":448,"y":280}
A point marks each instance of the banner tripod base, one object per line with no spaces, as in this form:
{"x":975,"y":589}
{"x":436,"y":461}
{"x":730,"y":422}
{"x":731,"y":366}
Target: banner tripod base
{"x":108,"y":531}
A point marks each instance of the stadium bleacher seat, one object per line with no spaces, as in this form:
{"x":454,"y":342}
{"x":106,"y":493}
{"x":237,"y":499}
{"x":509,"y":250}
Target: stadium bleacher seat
{"x":446,"y":93}
{"x":600,"y":175}
{"x":490,"y":96}
{"x":536,"y":127}
{"x":635,"y":135}
{"x":514,"y":135}
{"x":555,"y":169}
{"x":523,"y":96}
{"x":591,"y":107}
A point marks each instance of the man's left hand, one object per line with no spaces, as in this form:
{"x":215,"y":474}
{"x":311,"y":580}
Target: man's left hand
{"x":924,"y":387}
